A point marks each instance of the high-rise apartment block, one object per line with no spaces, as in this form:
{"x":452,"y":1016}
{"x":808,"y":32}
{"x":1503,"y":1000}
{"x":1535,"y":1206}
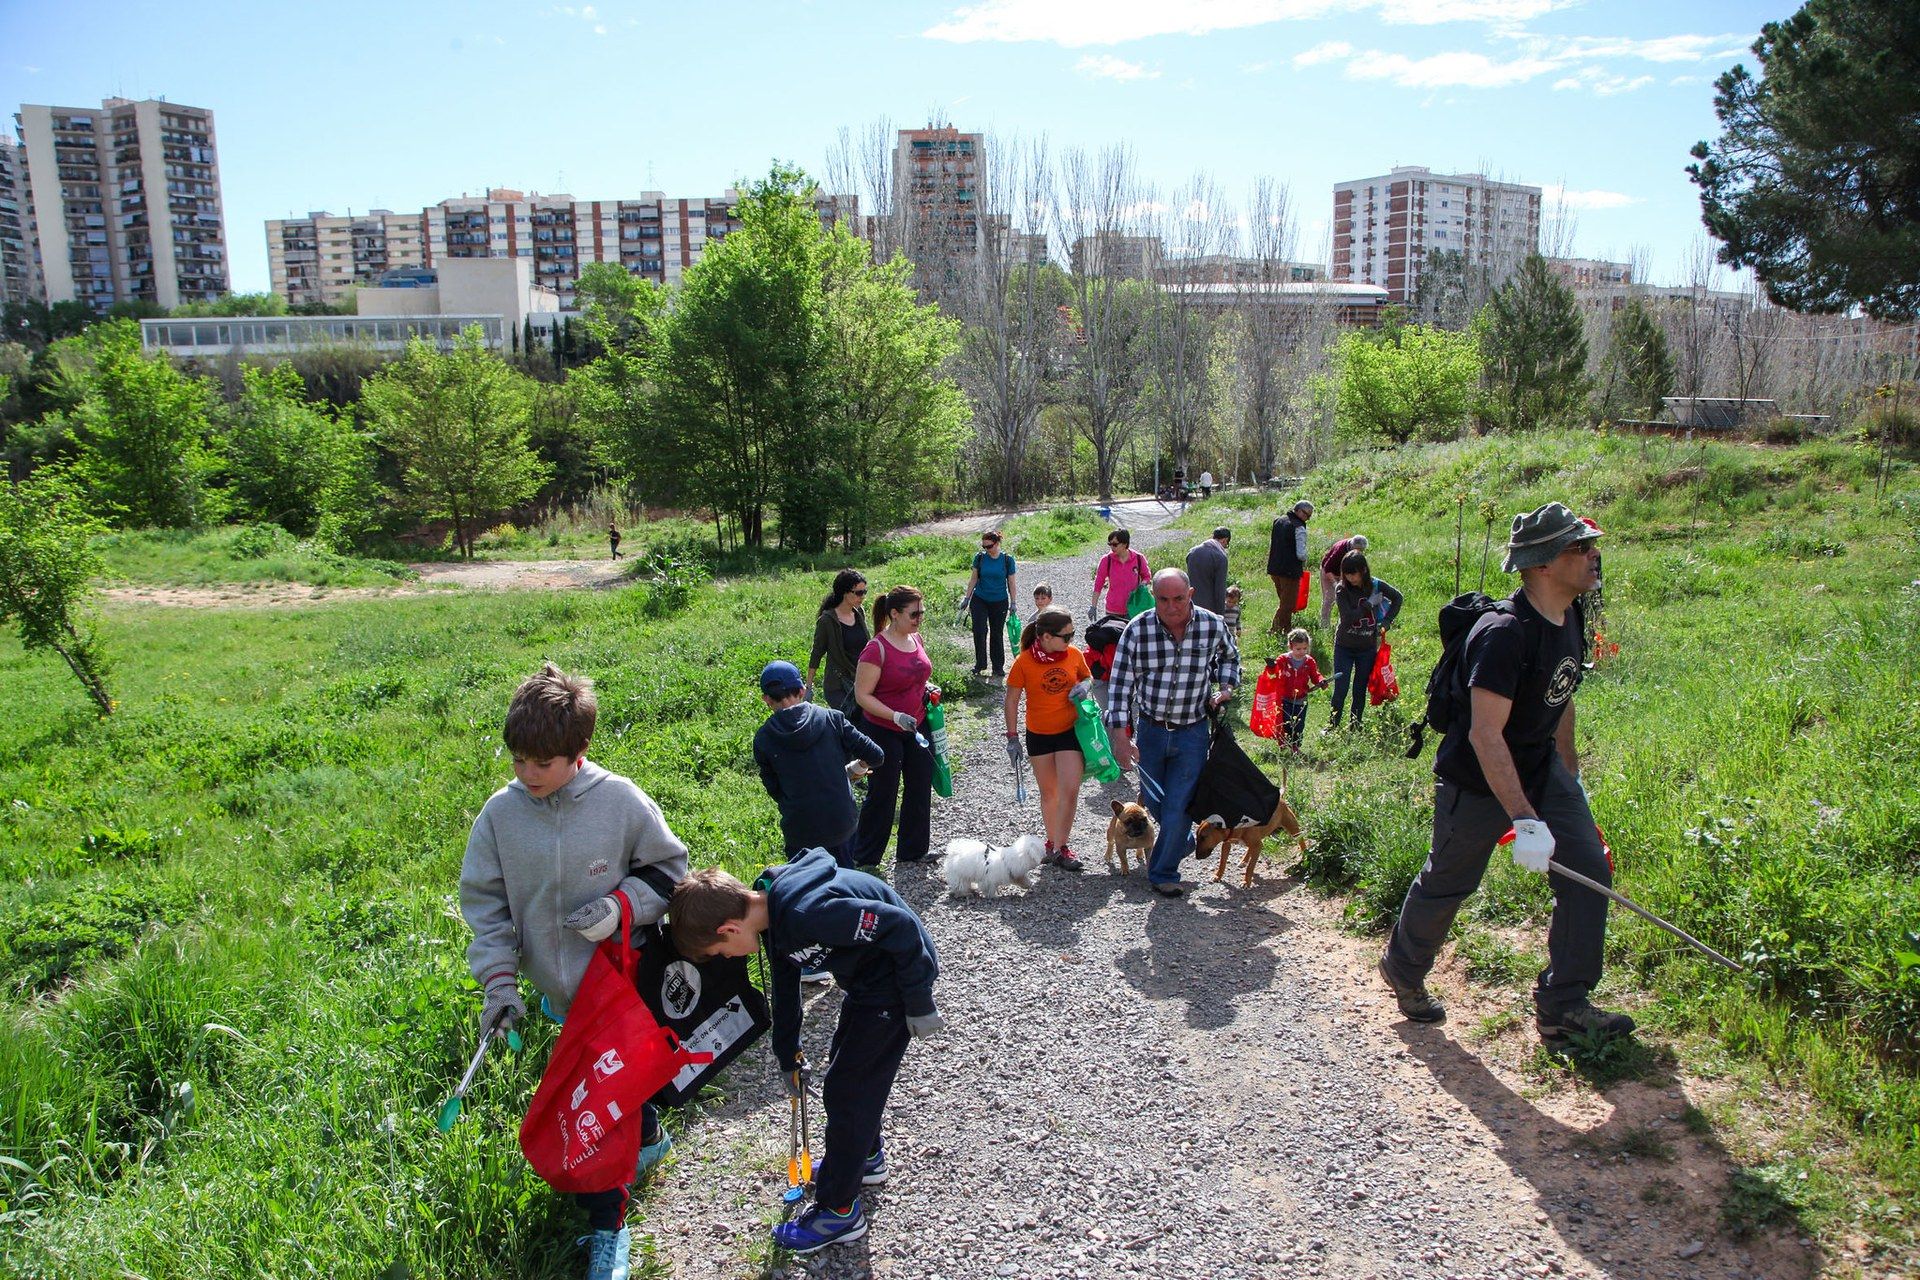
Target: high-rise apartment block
{"x":1384,"y":228}
{"x":321,"y":257}
{"x":937,"y":173}
{"x":123,"y":203}
{"x":1591,"y":273}
{"x":16,"y":259}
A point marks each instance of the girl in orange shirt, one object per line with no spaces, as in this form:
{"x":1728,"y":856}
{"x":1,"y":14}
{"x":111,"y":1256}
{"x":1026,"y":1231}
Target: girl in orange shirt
{"x":1054,"y":676}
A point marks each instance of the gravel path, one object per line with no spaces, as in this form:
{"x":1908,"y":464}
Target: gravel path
{"x":1210,"y":1087}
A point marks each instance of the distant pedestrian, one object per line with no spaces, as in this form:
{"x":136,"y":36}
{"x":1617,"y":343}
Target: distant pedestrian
{"x":1368,"y":606}
{"x":1119,"y":573}
{"x":613,"y":538}
{"x":1330,"y":573}
{"x":1207,"y":570}
{"x":1206,"y":484}
{"x":990,"y":589}
{"x":839,"y":634}
{"x":1286,"y":561}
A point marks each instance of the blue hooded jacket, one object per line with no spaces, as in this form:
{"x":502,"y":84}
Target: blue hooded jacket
{"x":854,"y":926}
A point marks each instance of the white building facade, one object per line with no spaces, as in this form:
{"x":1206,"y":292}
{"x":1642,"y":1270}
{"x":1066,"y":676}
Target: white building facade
{"x":1384,"y":227}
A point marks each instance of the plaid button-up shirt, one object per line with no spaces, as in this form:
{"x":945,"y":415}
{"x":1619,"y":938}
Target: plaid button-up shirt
{"x":1166,"y":681}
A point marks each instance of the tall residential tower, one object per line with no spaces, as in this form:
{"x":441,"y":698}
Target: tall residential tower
{"x":1384,"y":228}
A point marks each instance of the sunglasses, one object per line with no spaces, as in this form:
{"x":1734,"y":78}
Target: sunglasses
{"x":1058,"y":635}
{"x":859,"y":591}
{"x":1584,"y":546}
{"x":916,"y":613}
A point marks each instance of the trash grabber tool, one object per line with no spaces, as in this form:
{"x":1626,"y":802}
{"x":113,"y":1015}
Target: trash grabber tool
{"x":796,"y":1184}
{"x":1019,"y":784}
{"x":806,"y":1139}
{"x":451,"y":1108}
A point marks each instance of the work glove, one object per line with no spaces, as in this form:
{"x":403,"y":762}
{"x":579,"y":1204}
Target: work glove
{"x":905,"y":722}
{"x":1081,"y":692}
{"x":595,"y":921}
{"x":504,"y":1007}
{"x":858,"y":769}
{"x":1015,"y":752}
{"x":923,"y":1025}
{"x":1532,"y":845}
{"x":797,"y":1080}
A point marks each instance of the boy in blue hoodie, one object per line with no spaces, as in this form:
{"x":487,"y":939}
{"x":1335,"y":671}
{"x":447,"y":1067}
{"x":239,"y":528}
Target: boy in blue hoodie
{"x":814,"y":912}
{"x":544,"y":859}
{"x":804,"y":753}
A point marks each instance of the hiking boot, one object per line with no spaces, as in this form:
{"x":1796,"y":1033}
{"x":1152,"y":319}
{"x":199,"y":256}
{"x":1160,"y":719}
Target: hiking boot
{"x":874,"y":1171}
{"x":608,"y":1254}
{"x":1416,"y":1002}
{"x":652,"y":1154}
{"x":1584,"y":1018}
{"x":1063,"y":858}
{"x":1171,"y":889}
{"x":819,"y":1227}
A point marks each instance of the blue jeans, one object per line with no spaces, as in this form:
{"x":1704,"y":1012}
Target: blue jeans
{"x":1351,"y":663}
{"x":1170,"y":762}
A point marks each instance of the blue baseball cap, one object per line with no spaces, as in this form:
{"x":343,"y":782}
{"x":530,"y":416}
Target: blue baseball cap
{"x":778,"y":679}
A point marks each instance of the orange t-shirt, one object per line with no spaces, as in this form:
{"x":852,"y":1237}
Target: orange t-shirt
{"x":1047,"y":685}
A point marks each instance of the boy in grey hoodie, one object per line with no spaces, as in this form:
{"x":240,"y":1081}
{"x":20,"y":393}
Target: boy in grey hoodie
{"x":545,"y":857}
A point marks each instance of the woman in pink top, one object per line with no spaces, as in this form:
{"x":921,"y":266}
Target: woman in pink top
{"x":890,"y":684}
{"x":1119,"y":571}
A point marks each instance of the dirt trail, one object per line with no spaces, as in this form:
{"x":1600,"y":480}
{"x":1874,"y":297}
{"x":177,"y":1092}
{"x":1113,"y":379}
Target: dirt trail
{"x":1216,"y":1086}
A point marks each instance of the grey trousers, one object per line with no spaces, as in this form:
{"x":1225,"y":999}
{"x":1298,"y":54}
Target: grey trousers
{"x":1466,"y":828}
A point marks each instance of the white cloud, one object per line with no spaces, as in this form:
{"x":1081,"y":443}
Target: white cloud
{"x":1553,"y":196}
{"x":1257,"y":68}
{"x":1326,"y":51}
{"x":599,"y":28}
{"x":1432,"y":12}
{"x":588,"y":13}
{"x":1104,"y":66}
{"x":1603,"y":82}
{"x":1693,"y":79}
{"x":1468,"y":70}
{"x":31,"y":70}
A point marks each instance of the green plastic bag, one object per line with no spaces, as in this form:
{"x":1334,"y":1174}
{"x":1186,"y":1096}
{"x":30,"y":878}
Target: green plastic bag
{"x":1139,"y":600}
{"x":1095,"y":747}
{"x":1013,"y":631}
{"x":937,"y":740}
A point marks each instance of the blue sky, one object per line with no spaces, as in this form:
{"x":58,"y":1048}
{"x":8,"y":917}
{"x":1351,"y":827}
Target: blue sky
{"x":398,"y":106}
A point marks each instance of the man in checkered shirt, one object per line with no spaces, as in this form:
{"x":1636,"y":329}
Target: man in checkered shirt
{"x":1162,"y":669}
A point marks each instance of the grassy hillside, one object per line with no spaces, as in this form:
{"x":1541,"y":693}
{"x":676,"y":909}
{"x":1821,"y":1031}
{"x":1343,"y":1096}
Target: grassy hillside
{"x":1753,"y":753}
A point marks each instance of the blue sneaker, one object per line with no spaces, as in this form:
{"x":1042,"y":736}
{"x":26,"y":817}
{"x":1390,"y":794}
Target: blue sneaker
{"x":815,"y":975}
{"x":874,"y":1171}
{"x":608,"y":1254}
{"x":652,"y":1154}
{"x":819,"y":1227}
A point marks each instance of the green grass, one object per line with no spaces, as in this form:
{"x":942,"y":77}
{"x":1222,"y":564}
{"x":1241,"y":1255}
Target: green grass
{"x":234,"y":554}
{"x":243,"y":882}
{"x":1753,"y":752}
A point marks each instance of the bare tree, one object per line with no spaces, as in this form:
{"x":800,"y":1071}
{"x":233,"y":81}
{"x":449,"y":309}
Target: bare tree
{"x":862,"y":165}
{"x":1183,"y":316}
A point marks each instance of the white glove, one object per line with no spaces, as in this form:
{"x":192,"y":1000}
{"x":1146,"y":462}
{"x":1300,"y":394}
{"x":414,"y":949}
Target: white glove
{"x":926,"y":1024}
{"x":857,"y":769}
{"x":906,"y":722}
{"x":1080,"y":692}
{"x":596,"y":921}
{"x":1532,"y":845}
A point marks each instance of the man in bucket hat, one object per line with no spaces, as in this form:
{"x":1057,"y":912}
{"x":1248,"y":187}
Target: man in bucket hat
{"x":1508,"y":761}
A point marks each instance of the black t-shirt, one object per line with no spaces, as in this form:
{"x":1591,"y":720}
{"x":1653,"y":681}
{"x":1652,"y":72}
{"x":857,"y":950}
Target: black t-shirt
{"x":1522,"y":656}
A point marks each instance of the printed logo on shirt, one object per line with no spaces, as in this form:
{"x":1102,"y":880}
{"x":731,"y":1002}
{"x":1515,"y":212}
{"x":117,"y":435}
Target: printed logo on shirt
{"x":598,"y":867}
{"x":808,"y":957}
{"x":1565,"y":677}
{"x":863,"y":930}
{"x":679,"y":989}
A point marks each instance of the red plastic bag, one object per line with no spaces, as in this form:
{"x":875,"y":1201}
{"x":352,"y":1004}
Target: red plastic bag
{"x":1306,"y":590}
{"x":582,"y":1132}
{"x":1383,"y":685}
{"x":1264,"y":720}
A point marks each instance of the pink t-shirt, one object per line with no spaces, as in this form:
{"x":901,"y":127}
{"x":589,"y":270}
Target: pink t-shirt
{"x":1120,"y":578}
{"x":903,"y":677}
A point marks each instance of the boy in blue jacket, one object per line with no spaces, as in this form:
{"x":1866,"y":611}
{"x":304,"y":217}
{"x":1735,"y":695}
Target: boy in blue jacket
{"x":814,"y":912}
{"x":804,"y":753}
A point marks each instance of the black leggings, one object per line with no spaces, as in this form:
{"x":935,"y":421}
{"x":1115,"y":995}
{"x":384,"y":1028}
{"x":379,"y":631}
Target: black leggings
{"x":989,"y":624}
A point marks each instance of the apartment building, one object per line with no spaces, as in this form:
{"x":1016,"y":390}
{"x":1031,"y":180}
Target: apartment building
{"x":16,"y":260}
{"x":653,"y":236}
{"x":1591,"y":273}
{"x":321,"y":257}
{"x":1384,"y":227}
{"x":1226,"y":268}
{"x":123,"y":203}
{"x":1109,"y":253}
{"x":937,"y":172}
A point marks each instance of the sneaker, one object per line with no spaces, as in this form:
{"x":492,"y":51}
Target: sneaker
{"x":1415,"y":1001}
{"x":815,"y":975}
{"x":652,"y":1154}
{"x":608,"y":1254}
{"x":1584,"y":1018}
{"x":874,"y":1171}
{"x":819,"y":1227}
{"x":979,"y":673}
{"x":1171,"y":889}
{"x":1064,"y":859}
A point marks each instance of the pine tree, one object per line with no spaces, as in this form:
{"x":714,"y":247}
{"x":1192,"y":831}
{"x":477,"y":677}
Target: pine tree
{"x":1639,"y":367}
{"x":1535,"y":349}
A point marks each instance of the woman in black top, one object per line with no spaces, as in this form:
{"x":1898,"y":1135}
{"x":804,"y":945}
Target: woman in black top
{"x":839,"y":634}
{"x":1367,"y":608}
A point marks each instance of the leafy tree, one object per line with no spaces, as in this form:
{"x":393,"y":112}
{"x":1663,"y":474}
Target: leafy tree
{"x":143,"y":427}
{"x":47,"y":561}
{"x":236,"y":304}
{"x":37,"y":325}
{"x":1405,"y":383}
{"x":291,"y":461}
{"x":137,"y":309}
{"x":1639,"y":367}
{"x":457,"y":424}
{"x":1535,"y":350}
{"x":1814,"y":182}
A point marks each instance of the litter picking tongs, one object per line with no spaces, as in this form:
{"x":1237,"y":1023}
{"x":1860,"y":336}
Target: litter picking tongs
{"x":450,"y":1109}
{"x":799,"y":1148}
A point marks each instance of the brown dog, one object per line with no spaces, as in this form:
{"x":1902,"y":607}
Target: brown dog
{"x":1211,"y":835}
{"x":1131,"y":828}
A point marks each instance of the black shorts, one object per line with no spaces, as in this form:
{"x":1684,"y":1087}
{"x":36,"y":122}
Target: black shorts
{"x":1045,"y":744}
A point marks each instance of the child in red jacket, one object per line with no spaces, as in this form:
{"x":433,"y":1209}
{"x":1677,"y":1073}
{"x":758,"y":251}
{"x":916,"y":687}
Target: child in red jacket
{"x":1299,"y":676}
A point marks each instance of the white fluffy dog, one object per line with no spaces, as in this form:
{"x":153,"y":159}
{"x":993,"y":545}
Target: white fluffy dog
{"x":972,"y":867}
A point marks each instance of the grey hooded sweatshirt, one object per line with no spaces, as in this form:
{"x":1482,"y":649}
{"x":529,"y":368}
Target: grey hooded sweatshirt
{"x":532,"y":863}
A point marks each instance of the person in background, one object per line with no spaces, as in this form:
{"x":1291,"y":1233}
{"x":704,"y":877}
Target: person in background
{"x":1119,"y":572}
{"x":1330,"y":573}
{"x":1368,"y":606}
{"x":1042,"y":599}
{"x":839,"y":634}
{"x":1206,"y":484}
{"x":990,"y":590}
{"x":1207,"y":570}
{"x":613,"y":538}
{"x":1286,"y":561}
{"x":1231,"y":614}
